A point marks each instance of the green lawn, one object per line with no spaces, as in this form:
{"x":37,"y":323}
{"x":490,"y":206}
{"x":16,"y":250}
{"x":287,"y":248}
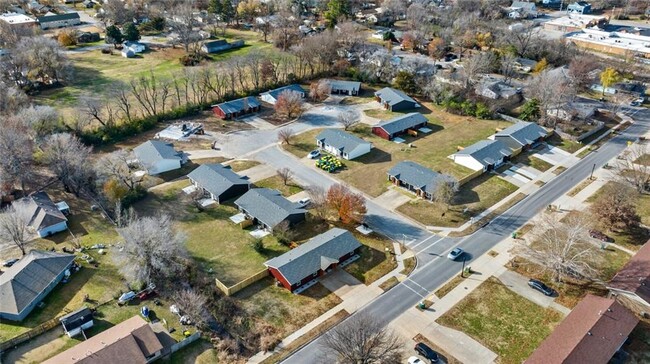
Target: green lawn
{"x":528,"y":158}
{"x":564,"y":144}
{"x":502,"y":320}
{"x":449,"y":286}
{"x":476,"y":196}
{"x":276,"y":183}
{"x":242,"y":165}
{"x":368,"y":172}
{"x":374,"y":262}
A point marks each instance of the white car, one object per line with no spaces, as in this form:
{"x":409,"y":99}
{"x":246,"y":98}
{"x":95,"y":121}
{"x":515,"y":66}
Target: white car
{"x":304,"y":202}
{"x":415,"y":360}
{"x":454,"y":254}
{"x":314,"y":154}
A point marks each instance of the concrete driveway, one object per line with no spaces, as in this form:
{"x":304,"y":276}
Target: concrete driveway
{"x":203,"y":154}
{"x":258,"y":172}
{"x":555,"y":155}
{"x":392,"y":199}
{"x":258,"y":123}
{"x":340,"y":282}
{"x":519,"y":284}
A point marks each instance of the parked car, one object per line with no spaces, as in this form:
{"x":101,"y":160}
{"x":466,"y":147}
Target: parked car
{"x":600,"y":236}
{"x":538,"y":285}
{"x":637,"y":102}
{"x":304,"y":202}
{"x":454,"y":254}
{"x":415,"y":360}
{"x":10,"y":262}
{"x":314,"y":154}
{"x":146,"y":295}
{"x":126,"y":297}
{"x":426,"y":352}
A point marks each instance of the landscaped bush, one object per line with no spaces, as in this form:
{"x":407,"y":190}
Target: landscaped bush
{"x":466,"y":107}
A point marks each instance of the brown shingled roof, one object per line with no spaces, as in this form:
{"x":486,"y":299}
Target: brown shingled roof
{"x":591,"y":333}
{"x":634,"y":277}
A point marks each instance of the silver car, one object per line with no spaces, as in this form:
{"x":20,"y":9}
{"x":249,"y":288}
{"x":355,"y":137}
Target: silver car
{"x":454,"y":254}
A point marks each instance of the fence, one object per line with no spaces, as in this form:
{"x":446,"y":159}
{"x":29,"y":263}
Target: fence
{"x":229,"y":291}
{"x":509,"y":118}
{"x":46,"y":326}
{"x":469,"y":177}
{"x":183,"y":343}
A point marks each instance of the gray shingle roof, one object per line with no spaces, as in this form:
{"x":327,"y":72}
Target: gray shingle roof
{"x":487,"y":152}
{"x":276,"y":92}
{"x":340,"y":140}
{"x":58,"y":17}
{"x":153,"y":151}
{"x":418,"y":176}
{"x":402,"y":123}
{"x":268,"y":206}
{"x":43,"y":211}
{"x":345,"y":85}
{"x":216,"y":178}
{"x":76,"y":318}
{"x":393,"y":96}
{"x":24,"y":281}
{"x":524,"y":132}
{"x":523,"y":5}
{"x":235,"y":106}
{"x":318,"y":253}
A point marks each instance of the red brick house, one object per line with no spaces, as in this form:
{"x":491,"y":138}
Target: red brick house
{"x":400,"y":125}
{"x":235,"y":108}
{"x":314,"y":258}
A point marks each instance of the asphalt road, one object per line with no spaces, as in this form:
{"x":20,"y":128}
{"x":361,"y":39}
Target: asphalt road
{"x":434,"y":268}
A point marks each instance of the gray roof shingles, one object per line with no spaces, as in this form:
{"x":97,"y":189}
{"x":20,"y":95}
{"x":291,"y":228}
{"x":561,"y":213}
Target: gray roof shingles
{"x":239,"y":105}
{"x":345,"y":85}
{"x":523,"y":132}
{"x":44,"y":213}
{"x":318,"y":253}
{"x":401,"y":123}
{"x":58,"y":17}
{"x":24,"y":281}
{"x":393,"y":96}
{"x":487,"y":152}
{"x":340,"y":140}
{"x":153,"y":151}
{"x":276,"y":92}
{"x":268,"y":206}
{"x":418,"y":176}
{"x":216,"y":178}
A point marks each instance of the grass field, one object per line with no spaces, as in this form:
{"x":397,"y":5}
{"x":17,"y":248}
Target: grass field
{"x":374,"y":262}
{"x":502,"y":320}
{"x":530,"y":160}
{"x":276,"y":183}
{"x":368,"y":172}
{"x":242,"y":165}
{"x":473,"y":197}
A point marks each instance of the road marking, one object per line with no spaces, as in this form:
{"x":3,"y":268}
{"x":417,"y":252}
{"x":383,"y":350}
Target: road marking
{"x":414,"y":291}
{"x":425,"y":240}
{"x":416,"y":283}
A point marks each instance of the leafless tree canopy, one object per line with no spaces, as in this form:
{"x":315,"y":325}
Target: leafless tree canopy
{"x":348,"y":119}
{"x":289,"y":104}
{"x":116,"y":166}
{"x":562,"y":247}
{"x":285,"y":135}
{"x":16,"y":155}
{"x":320,"y":90}
{"x":362,"y":339}
{"x":284,"y":174}
{"x":153,"y":250}
{"x":68,"y":158}
{"x":632,"y":173}
{"x":192,"y":304}
{"x":318,"y":201}
{"x":477,"y":64}
{"x":14,"y":226}
{"x":551,"y":89}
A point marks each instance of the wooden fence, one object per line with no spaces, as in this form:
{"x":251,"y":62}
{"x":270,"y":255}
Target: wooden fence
{"x":183,"y":343}
{"x":45,"y":326}
{"x":470,"y":177}
{"x":229,"y":291}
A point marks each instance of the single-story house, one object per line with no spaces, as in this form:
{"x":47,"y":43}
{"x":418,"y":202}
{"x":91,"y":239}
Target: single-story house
{"x":158,"y":157}
{"x":391,"y":128}
{"x":573,"y":110}
{"x":522,"y":9}
{"x":495,"y":89}
{"x":219,"y":181}
{"x":314,"y":258}
{"x":268,"y":208}
{"x":46,"y":217}
{"x":26,"y":283}
{"x":522,"y":136}
{"x":417,"y":178}
{"x":633,"y":280}
{"x":232,"y":109}
{"x":342,"y":144}
{"x":132,"y":341}
{"x":127,"y":53}
{"x":49,"y":20}
{"x":485,"y":155}
{"x":395,"y":100}
{"x":593,"y":332}
{"x":17,"y":20}
{"x":130,"y":49}
{"x":77,"y":321}
{"x":271,"y":96}
{"x":351,"y":88}
{"x":579,"y":7}
{"x":220,"y":45}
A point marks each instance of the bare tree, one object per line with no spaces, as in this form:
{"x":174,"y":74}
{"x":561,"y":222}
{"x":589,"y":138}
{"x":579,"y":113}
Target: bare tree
{"x":580,"y":70}
{"x":318,"y":201}
{"x":16,"y":154}
{"x":116,"y":12}
{"x":508,"y":67}
{"x":117,"y":165}
{"x":446,"y":190}
{"x":153,"y":250}
{"x":289,"y":104}
{"x":41,"y":119}
{"x":632,"y":172}
{"x":362,"y":339}
{"x":42,"y":59}
{"x":522,"y":40}
{"x":193,"y":304}
{"x":68,"y":158}
{"x":284,"y":233}
{"x":615,"y":207}
{"x":14,"y":225}
{"x":11,"y":99}
{"x":476,"y":65}
{"x":551,"y":89}
{"x":183,"y":23}
{"x":285,"y":174}
{"x":348,"y":119}
{"x":320,"y":90}
{"x":285,"y":135}
{"x":562,"y":246}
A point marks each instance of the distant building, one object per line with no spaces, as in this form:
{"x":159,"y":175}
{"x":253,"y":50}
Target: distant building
{"x":46,"y":217}
{"x":522,"y":9}
{"x":350,"y":88}
{"x":26,"y":283}
{"x":17,"y":20}
{"x":271,"y":96}
{"x":579,"y":7}
{"x":235,"y":108}
{"x":618,"y":43}
{"x":342,"y":144}
{"x":221,"y":45}
{"x":50,"y":21}
{"x":593,"y":332}
{"x":395,"y":100}
{"x":485,"y":155}
{"x":576,"y":22}
{"x":158,"y":157}
{"x":496,"y":89}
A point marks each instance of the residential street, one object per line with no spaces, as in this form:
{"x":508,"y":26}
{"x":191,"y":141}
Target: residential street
{"x":434,"y":268}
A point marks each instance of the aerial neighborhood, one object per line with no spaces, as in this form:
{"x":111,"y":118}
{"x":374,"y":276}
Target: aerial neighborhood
{"x":246,"y":181}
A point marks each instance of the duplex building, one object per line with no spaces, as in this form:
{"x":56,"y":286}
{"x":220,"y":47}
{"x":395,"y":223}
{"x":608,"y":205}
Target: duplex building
{"x":313,"y":259}
{"x":158,"y":157}
{"x":395,"y":100}
{"x":339,"y":87}
{"x":235,"y":108}
{"x":220,"y":45}
{"x":400,"y":125}
{"x":418,"y":179}
{"x":485,"y":155}
{"x":52,"y":21}
{"x":272,"y":96}
{"x":522,"y":136}
{"x":342,"y":144}
{"x":46,"y":216}
{"x":219,"y":181}
{"x":268,"y":208}
{"x":26,"y":283}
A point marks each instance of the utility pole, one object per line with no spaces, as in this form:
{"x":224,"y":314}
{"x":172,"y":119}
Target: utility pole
{"x":592,"y":172}
{"x":462,"y":271}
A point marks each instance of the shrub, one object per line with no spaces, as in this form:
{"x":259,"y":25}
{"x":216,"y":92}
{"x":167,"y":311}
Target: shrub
{"x":258,"y":245}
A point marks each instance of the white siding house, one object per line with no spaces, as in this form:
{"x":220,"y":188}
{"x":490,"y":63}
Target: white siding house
{"x":158,"y":157}
{"x":342,"y":144}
